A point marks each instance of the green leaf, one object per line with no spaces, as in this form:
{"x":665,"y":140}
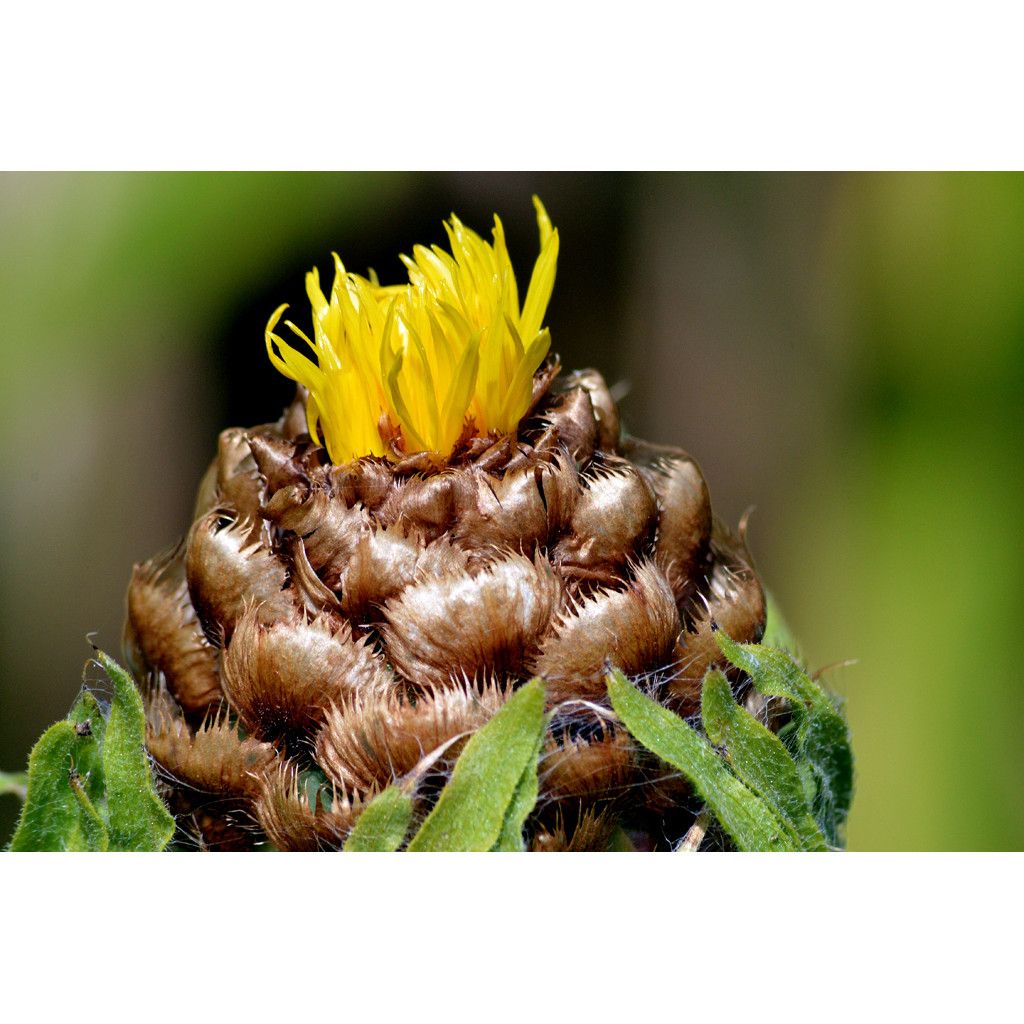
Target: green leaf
{"x":383,"y":824}
{"x":138,"y":819}
{"x":523,"y":800}
{"x":314,"y":787}
{"x":94,"y":831}
{"x":822,"y":738}
{"x":87,"y":717}
{"x":776,"y":631}
{"x":825,"y":743}
{"x":774,"y":672}
{"x":759,"y":758}
{"x":51,"y":818}
{"x":473,"y":807}
{"x":13,"y":784}
{"x":744,"y":815}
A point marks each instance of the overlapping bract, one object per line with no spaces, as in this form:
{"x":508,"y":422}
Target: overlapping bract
{"x":402,"y":369}
{"x":328,"y":631}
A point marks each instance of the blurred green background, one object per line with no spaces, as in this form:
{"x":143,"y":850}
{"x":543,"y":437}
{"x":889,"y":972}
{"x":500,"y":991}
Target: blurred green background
{"x":845,"y":352}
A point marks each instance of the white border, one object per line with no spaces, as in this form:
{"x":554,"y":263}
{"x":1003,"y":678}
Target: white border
{"x":534,"y":83}
{"x":521,"y":938}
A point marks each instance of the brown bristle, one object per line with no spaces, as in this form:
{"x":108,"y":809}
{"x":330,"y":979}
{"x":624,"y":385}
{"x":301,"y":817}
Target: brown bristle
{"x":163,"y":626}
{"x":368,"y":742}
{"x":590,"y":832}
{"x":213,"y":759}
{"x":634,"y":628}
{"x":732,"y":600}
{"x":282,"y":678}
{"x":456,"y":625}
{"x":292,"y":822}
{"x":598,"y":767}
{"x":227,"y":570}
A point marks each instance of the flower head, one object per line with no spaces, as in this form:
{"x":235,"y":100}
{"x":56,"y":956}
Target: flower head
{"x":450,"y":353}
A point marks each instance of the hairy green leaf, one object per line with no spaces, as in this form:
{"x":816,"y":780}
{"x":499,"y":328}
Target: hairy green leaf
{"x":138,"y":820}
{"x":825,"y":743}
{"x":94,"y":830}
{"x":774,"y":672}
{"x":776,"y":631}
{"x":90,"y":724}
{"x":51,"y":818}
{"x":472,"y":809}
{"x":745,"y":816}
{"x":381,"y":828}
{"x":523,"y":800}
{"x":759,"y":758}
{"x":822,"y":738}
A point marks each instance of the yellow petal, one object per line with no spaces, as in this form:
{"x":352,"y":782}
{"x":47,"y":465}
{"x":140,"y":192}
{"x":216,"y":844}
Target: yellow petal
{"x":450,"y":343}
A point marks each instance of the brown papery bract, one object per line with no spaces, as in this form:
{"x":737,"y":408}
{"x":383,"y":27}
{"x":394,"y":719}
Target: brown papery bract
{"x":614,"y":514}
{"x":634,"y":628}
{"x":560,"y":486}
{"x":277,"y":462}
{"x":732,"y":600}
{"x":441,"y":558}
{"x":684,"y":522}
{"x":330,"y":530}
{"x":370,"y":741}
{"x":382,"y":563}
{"x":364,"y":619}
{"x":606,"y":412}
{"x":213,"y":759}
{"x":457,"y":625}
{"x":507,"y":512}
{"x":239,"y":484}
{"x":281,"y":679}
{"x":227,"y":571}
{"x":425,"y":503}
{"x":600,"y":766}
{"x":163,"y":628}
{"x":570,"y":422}
{"x":292,"y":822}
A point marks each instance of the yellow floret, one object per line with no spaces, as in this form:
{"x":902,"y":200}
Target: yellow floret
{"x":451,"y":346}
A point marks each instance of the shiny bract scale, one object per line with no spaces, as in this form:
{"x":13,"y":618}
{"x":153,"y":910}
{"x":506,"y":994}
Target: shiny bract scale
{"x":325,"y":628}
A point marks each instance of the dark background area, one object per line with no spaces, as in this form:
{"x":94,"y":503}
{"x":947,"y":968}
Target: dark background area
{"x":845,"y":352}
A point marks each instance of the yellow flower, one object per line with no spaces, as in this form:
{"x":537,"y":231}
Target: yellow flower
{"x":450,"y":348}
